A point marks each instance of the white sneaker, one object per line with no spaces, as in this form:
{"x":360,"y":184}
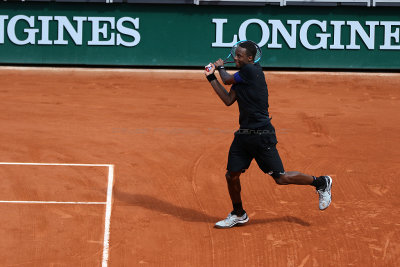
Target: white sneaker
{"x":232,"y":220}
{"x":325,"y":194}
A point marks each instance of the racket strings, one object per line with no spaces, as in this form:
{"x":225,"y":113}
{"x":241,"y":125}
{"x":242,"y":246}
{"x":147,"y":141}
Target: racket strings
{"x":258,"y":54}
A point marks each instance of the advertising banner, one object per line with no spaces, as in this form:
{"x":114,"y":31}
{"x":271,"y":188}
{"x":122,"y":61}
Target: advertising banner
{"x":192,"y":36}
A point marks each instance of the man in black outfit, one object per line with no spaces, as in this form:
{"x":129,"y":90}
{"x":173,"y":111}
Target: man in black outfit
{"x":256,"y":137}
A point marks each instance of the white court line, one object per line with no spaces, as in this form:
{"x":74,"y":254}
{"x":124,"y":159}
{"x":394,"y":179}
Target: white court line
{"x":50,"y":202}
{"x":106,"y":244}
{"x":108,"y":203}
{"x":55,"y":164}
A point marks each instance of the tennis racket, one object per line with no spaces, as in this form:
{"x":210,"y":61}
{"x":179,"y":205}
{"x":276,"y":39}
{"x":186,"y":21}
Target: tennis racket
{"x":231,"y":56}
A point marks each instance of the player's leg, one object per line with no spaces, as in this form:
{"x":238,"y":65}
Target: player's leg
{"x":269,"y":161}
{"x":238,"y":160}
{"x":294,"y":177}
{"x":234,"y":188}
{"x":238,"y":215}
{"x":322,"y":184}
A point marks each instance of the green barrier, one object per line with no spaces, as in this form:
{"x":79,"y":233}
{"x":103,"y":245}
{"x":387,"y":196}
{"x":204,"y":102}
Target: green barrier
{"x":192,"y":36}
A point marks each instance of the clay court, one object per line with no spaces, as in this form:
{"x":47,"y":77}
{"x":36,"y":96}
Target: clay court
{"x":151,"y":149}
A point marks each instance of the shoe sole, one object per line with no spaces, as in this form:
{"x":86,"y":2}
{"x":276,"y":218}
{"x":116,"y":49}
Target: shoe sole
{"x":330,"y":187}
{"x":239,"y":223}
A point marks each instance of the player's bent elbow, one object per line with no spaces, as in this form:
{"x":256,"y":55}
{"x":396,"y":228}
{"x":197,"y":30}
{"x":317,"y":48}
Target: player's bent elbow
{"x":229,"y":82}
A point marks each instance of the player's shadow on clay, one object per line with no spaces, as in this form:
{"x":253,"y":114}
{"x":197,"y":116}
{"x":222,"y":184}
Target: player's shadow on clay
{"x":188,"y":214}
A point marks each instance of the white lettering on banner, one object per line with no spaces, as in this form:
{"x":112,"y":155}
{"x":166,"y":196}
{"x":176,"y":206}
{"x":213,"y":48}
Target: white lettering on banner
{"x":64,"y":23}
{"x":45,"y":30}
{"x":290,"y":39}
{"x":323,"y":37}
{"x":264,"y":30}
{"x":31,"y":32}
{"x":369,"y":41}
{"x":219,"y":29}
{"x":337,"y":34}
{"x":97,"y":30}
{"x":389,"y":35}
{"x":104,"y":31}
{"x":2,"y":20}
{"x":111,"y":31}
{"x":128,"y":31}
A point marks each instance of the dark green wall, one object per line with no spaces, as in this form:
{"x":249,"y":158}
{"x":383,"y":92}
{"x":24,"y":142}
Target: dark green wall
{"x":182,"y":35}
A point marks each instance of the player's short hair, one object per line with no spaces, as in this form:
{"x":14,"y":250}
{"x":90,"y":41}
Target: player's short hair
{"x":251,"y":49}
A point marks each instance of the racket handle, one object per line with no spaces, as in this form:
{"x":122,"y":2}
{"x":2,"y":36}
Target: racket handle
{"x":208,"y":67}
{"x":229,"y":61}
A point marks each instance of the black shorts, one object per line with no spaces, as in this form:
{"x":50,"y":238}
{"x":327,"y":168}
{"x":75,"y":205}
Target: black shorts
{"x":257,"y":144}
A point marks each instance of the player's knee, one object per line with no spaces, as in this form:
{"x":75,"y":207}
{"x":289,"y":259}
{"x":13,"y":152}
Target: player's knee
{"x":231,"y":176}
{"x":281,"y":179}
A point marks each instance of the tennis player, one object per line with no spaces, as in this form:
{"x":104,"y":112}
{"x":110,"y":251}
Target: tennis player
{"x":256,"y":138}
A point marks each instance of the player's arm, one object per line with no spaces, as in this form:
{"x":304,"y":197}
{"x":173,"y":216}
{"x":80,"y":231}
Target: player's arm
{"x":227,"y":97}
{"x":225,"y":76}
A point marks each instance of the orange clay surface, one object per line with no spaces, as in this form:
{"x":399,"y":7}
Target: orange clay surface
{"x":168,"y":135}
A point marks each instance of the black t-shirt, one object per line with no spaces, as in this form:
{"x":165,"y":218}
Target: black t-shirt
{"x":252,"y":97}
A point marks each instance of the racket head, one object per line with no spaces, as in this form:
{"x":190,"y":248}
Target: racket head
{"x":229,"y":59}
{"x":231,"y":56}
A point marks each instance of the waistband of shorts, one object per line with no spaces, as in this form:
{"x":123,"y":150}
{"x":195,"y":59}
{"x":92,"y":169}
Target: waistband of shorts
{"x":251,"y":131}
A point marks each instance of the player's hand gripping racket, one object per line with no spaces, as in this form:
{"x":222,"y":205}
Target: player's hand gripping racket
{"x":231,"y":56}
